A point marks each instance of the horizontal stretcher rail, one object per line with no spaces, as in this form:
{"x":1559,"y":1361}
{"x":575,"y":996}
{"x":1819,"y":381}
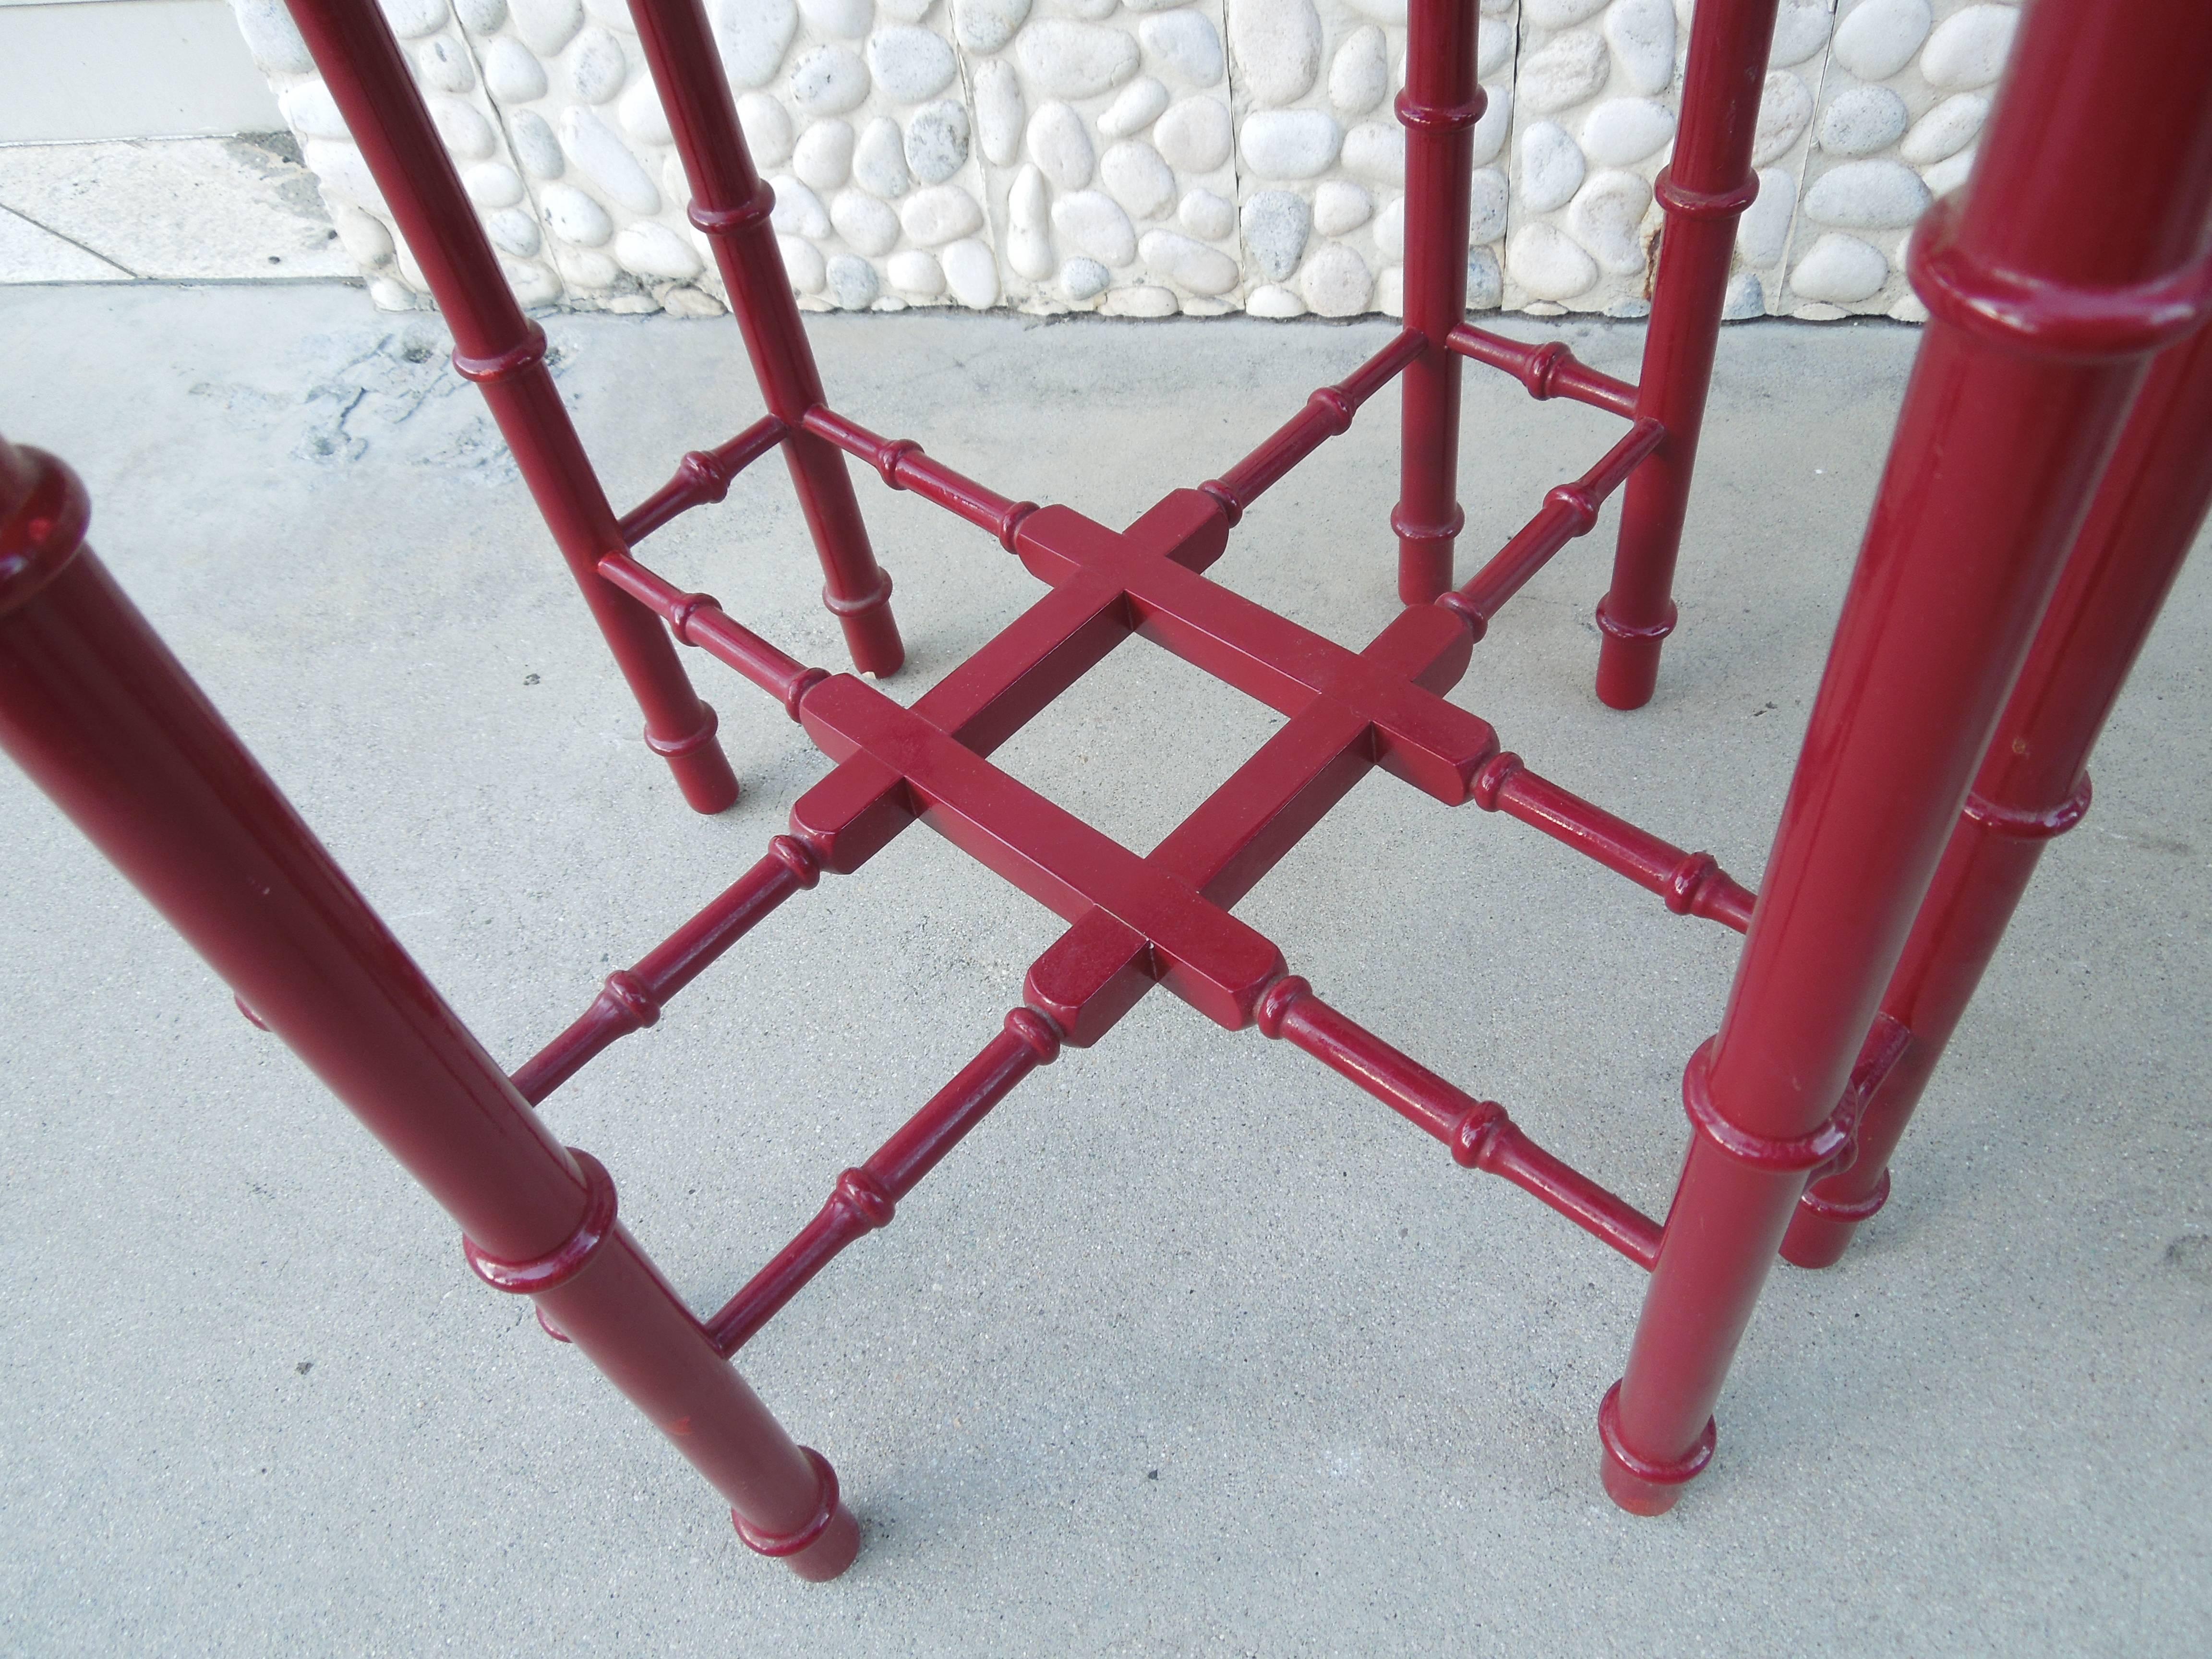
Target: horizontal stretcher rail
{"x":1327,"y":414}
{"x":1569,"y":510}
{"x":1692,"y":883}
{"x":904,"y":466}
{"x":866,"y":1198}
{"x":1549,"y":370}
{"x":699,"y":619}
{"x":1381,"y":697}
{"x":1479,"y":1134}
{"x":702,"y":475}
{"x":633,"y":997}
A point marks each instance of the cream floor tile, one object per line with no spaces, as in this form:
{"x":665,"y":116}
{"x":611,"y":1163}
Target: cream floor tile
{"x":178,"y":210}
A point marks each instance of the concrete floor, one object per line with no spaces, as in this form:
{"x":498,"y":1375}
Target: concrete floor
{"x":1191,"y":1348}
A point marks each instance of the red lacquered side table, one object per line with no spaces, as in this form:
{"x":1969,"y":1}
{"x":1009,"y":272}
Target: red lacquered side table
{"x":2050,"y":469}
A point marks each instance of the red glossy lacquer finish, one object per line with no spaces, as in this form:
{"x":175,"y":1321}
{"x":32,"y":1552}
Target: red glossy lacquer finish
{"x":2048,"y":289}
{"x":504,"y":353}
{"x":2035,"y":783}
{"x":2038,"y":346}
{"x":100,"y":715}
{"x":1704,"y":189}
{"x":1441,"y":103}
{"x":731,"y":205}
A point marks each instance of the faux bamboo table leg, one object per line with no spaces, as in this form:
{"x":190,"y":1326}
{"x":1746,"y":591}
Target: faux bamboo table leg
{"x":504,"y":353}
{"x":2048,"y":292}
{"x":2034,"y":781}
{"x":1704,"y":190}
{"x":1441,"y":102}
{"x":731,"y":205}
{"x":99,"y":714}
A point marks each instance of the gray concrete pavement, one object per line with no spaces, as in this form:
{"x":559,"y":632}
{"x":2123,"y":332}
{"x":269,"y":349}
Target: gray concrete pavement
{"x":1191,"y":1349}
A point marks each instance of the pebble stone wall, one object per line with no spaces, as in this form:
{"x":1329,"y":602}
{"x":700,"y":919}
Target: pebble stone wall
{"x":1150,"y":157}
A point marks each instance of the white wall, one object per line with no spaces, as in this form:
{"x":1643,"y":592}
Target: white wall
{"x":126,"y":69}
{"x":1139,"y":157}
{"x":1148,"y":156}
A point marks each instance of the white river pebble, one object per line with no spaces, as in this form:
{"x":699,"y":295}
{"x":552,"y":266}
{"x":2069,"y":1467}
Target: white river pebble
{"x":1763,"y":233}
{"x":829,"y":81}
{"x":1621,"y":131}
{"x":1375,"y":150}
{"x":1135,"y":108}
{"x":1642,"y":33}
{"x":916,"y":272}
{"x":971,"y":272}
{"x":802,"y":263}
{"x":941,"y":213}
{"x":1204,"y":214}
{"x":838,"y":19}
{"x":1178,"y":258}
{"x":605,"y":162}
{"x":1278,"y":46}
{"x":911,"y":64}
{"x":767,"y":128}
{"x":1863,"y":119}
{"x":646,"y":249}
{"x":1135,"y":176}
{"x":575,"y":217}
{"x":799,"y":210}
{"x":822,"y":158}
{"x":853,"y":283}
{"x":937,"y":142}
{"x":1946,"y":130}
{"x":1300,"y":143}
{"x":1968,"y":48}
{"x":1550,"y":167}
{"x":1607,"y":217}
{"x":1084,"y":279}
{"x":1276,"y":225}
{"x":1564,"y":70}
{"x":1840,"y":270}
{"x":1060,"y":144}
{"x":868,"y":225}
{"x":1092,"y":223}
{"x":1785,"y":110}
{"x":1075,"y":60}
{"x":984,"y":25}
{"x":879,"y":158}
{"x":1194,"y":135}
{"x":1359,"y":74}
{"x":1878,"y":194}
{"x":535,"y":146}
{"x":1548,"y":263}
{"x":1880,"y":37}
{"x":1336,"y":282}
{"x":1186,"y":43}
{"x":597,"y":67}
{"x":1341,"y":206}
{"x":752,"y":36}
{"x":999,"y":112}
{"x":1486,"y":206}
{"x":1800,"y":29}
{"x":546,"y":25}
